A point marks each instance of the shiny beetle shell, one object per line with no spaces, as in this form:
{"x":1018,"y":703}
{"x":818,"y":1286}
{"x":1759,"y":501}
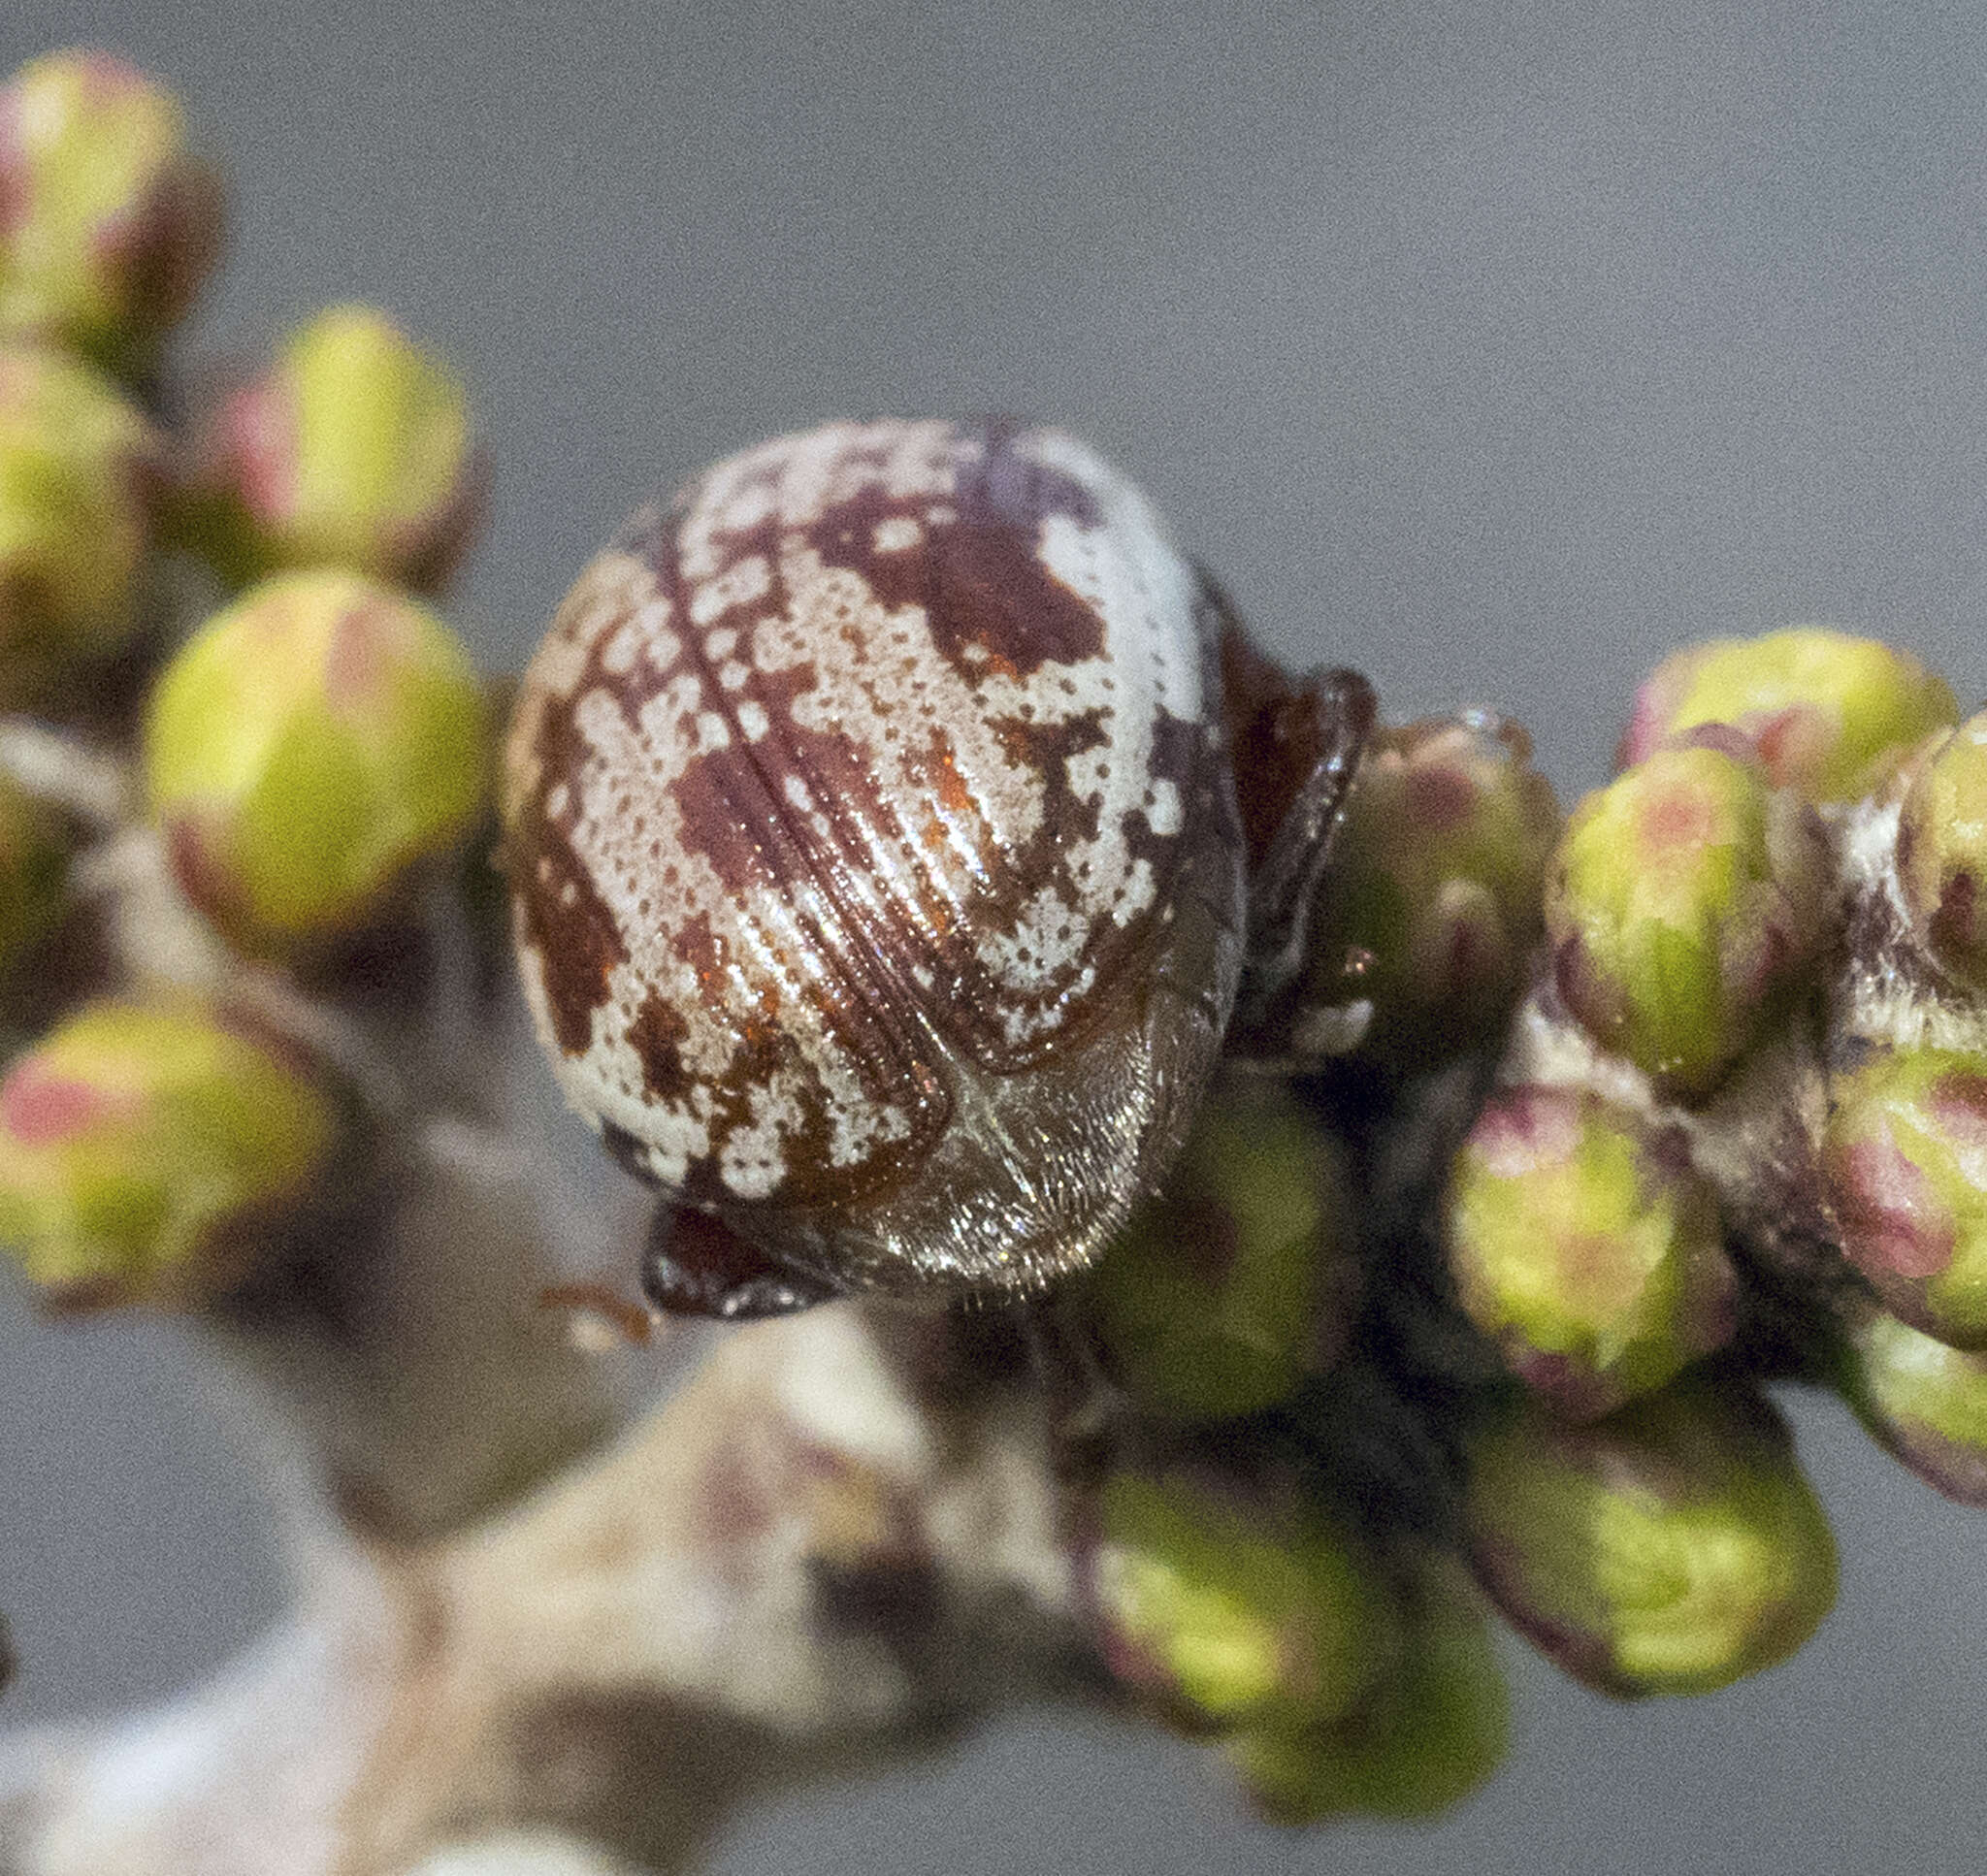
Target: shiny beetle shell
{"x":876,"y":871}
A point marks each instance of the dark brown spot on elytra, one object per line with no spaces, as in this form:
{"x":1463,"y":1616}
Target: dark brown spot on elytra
{"x":561,"y":914}
{"x":575,"y":939}
{"x":657,"y":1035}
{"x":980,"y":577}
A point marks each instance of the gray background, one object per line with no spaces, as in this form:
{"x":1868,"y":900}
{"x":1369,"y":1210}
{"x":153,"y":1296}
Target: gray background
{"x":1495,"y":349}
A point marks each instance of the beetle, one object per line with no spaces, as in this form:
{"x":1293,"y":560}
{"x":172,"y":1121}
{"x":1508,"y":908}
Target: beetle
{"x":882,"y":891}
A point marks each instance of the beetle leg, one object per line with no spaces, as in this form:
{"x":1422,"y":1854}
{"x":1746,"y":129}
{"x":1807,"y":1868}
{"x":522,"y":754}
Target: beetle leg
{"x":697,"y":1265}
{"x":1295,"y":747}
{"x":1327,"y":722}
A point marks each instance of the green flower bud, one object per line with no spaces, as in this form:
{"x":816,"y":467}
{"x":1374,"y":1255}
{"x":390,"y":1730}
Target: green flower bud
{"x":354,"y":450}
{"x":1227,"y":1613}
{"x":1434,"y":1733}
{"x":1587,"y":1246}
{"x":108,"y":226}
{"x":309,"y":745}
{"x":1905,"y":1153}
{"x":1684,"y":896}
{"x":1924,"y":1402}
{"x":1436,"y":882}
{"x":1828,"y":715}
{"x":78,"y":464}
{"x":1671,"y":1548}
{"x":140,"y":1147}
{"x":1943,"y":851}
{"x":1232,"y":1284}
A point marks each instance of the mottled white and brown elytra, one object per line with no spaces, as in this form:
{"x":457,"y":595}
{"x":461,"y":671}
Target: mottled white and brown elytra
{"x":877,"y":878}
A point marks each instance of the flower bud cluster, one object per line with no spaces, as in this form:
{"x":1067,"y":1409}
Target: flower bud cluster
{"x":1737,"y":1139}
{"x":289,"y":774}
{"x":1655,"y":1210}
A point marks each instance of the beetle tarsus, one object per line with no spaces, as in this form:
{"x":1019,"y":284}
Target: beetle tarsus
{"x":695,"y":1265}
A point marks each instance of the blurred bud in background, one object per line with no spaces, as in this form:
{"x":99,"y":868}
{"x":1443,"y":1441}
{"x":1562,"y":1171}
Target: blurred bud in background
{"x":35,"y":846}
{"x":1238,"y":1280}
{"x":305,"y":748}
{"x":1223,"y":1606}
{"x":145,"y":1151}
{"x":78,"y":470}
{"x":108,"y":224}
{"x":1436,"y":1730}
{"x":352,"y":450}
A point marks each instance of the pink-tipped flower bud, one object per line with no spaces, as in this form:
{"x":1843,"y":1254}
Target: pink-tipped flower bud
{"x":142,"y":1147}
{"x":108,"y":224}
{"x":1433,"y":911}
{"x":1685,"y":896}
{"x":1585,"y":1245}
{"x":354,"y":450}
{"x":1671,"y":1548}
{"x":79,"y":465}
{"x":1827,"y":714}
{"x":1924,"y":1402}
{"x":1905,"y":1154}
{"x":305,"y":748}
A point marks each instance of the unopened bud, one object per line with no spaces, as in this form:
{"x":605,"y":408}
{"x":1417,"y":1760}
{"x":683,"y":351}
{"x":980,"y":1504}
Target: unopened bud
{"x":138,"y":1147}
{"x":1905,"y":1156}
{"x":107,"y":225}
{"x":1828,"y":715}
{"x":1224,"y":1612}
{"x":1943,"y":851}
{"x":1585,"y":1245}
{"x":1671,"y":1548}
{"x":1686,"y":896}
{"x":78,"y":467}
{"x":1436,"y":882}
{"x":1227,"y":1288}
{"x":354,"y":450}
{"x":1924,"y":1401}
{"x":1433,"y":1733}
{"x":305,"y":748}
